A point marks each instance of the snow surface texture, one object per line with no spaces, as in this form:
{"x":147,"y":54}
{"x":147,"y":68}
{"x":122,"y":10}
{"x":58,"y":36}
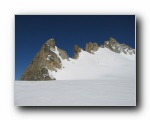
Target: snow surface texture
{"x":76,"y":93}
{"x":103,"y":64}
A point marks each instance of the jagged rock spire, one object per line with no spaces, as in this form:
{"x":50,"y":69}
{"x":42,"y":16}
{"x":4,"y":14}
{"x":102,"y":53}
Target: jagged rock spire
{"x":77,"y":50}
{"x":115,"y":46}
{"x":91,"y":47}
{"x":46,"y":59}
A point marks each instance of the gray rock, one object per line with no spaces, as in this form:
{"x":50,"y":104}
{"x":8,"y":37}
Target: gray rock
{"x":45,"y":59}
{"x":51,"y":43}
{"x":77,"y":50}
{"x":115,"y":46}
{"x":63,"y":54}
{"x":91,"y":47}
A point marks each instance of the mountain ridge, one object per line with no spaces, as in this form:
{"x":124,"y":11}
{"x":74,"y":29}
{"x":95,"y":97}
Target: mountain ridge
{"x":50,"y":58}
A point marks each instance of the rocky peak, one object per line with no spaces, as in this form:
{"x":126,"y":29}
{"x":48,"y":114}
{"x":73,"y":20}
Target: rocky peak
{"x":51,"y":43}
{"x":91,"y":47}
{"x":46,"y":60}
{"x":77,"y":50}
{"x":115,"y":46}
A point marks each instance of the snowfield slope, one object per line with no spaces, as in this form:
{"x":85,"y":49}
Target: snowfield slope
{"x":103,"y":64}
{"x":104,"y":78}
{"x":75,"y":93}
{"x":98,"y":76}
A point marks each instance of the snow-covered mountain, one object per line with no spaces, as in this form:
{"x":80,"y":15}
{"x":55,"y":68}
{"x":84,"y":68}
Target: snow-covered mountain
{"x":110,"y":61}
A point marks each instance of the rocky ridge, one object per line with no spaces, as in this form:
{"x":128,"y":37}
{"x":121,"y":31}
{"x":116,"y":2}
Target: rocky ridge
{"x":49,"y":58}
{"x":115,"y":46}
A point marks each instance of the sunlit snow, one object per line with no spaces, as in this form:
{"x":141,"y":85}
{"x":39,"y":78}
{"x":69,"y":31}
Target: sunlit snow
{"x":103,"y":64}
{"x":104,"y":78}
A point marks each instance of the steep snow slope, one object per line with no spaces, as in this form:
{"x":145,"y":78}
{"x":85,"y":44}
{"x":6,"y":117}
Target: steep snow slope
{"x":103,"y":64}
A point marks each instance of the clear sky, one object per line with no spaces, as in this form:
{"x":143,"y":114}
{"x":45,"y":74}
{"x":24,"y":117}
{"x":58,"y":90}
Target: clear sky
{"x":32,"y":31}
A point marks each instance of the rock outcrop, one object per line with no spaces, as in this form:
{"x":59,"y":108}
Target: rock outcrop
{"x":63,"y":54}
{"x":77,"y":50}
{"x":51,"y":43}
{"x":91,"y":47}
{"x":45,"y":61}
{"x":115,"y":46}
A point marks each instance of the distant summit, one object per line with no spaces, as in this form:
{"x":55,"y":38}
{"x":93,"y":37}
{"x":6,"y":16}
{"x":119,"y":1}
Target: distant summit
{"x":115,"y":46}
{"x":51,"y":60}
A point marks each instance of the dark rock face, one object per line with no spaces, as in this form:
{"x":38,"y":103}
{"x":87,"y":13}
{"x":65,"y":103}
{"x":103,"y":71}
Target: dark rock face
{"x":113,"y":45}
{"x":77,"y":50}
{"x":46,"y":59}
{"x":91,"y":47}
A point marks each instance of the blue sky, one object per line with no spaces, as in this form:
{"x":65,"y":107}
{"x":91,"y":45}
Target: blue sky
{"x":32,"y":31}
